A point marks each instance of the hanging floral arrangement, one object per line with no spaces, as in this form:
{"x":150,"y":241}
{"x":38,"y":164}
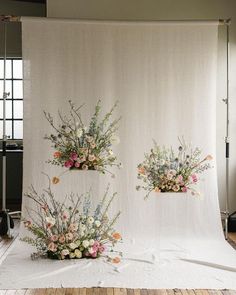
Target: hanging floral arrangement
{"x":71,"y":229}
{"x":165,"y":170}
{"x":82,"y":147}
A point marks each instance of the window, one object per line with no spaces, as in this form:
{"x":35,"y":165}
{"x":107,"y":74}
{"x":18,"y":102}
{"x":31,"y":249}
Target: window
{"x":14,"y":101}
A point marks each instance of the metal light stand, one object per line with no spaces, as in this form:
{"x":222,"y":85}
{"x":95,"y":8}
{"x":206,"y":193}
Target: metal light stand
{"x":4,"y":141}
{"x":226,"y":101}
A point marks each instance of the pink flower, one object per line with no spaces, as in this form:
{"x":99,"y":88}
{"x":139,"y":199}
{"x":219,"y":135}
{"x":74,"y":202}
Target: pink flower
{"x":73,"y":227}
{"x":73,"y":156}
{"x":194,"y":177}
{"x":95,"y":248}
{"x":179,"y":179}
{"x":54,"y":238}
{"x":52,"y":247}
{"x":96,"y":244}
{"x":94,"y":255}
{"x":184,"y":189}
{"x":62,"y":239}
{"x":77,"y":164}
{"x":65,"y":216}
{"x":69,"y":164}
{"x":102,"y":248}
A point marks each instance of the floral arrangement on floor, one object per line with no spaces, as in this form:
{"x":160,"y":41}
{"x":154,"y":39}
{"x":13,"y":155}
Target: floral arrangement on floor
{"x":166,"y":170}
{"x":84,"y":148}
{"x":59,"y":231}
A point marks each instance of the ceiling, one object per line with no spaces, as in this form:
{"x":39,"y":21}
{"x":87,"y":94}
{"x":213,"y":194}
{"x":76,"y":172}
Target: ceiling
{"x":32,"y":1}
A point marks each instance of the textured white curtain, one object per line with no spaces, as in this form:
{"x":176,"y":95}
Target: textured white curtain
{"x":164,"y":76}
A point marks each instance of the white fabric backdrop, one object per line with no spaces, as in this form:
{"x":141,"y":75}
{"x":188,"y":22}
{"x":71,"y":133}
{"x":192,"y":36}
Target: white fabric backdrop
{"x":164,"y":75}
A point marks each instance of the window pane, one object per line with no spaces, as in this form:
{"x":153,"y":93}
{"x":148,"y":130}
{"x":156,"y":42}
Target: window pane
{"x":17,"y":69}
{"x":8,"y":69}
{"x":18,"y":89}
{"x":18,"y":129}
{"x":9,"y":129}
{"x":1,"y":69}
{"x":18,"y":109}
{"x":8,"y":109}
{"x":8,"y":89}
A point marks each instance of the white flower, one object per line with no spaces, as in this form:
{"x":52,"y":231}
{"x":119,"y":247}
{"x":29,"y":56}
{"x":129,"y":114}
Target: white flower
{"x":97,"y":223}
{"x":115,"y":139}
{"x":91,"y":242}
{"x":79,"y":132}
{"x":73,"y":246}
{"x":91,"y":158}
{"x":72,"y":255}
{"x":92,"y":231}
{"x":162,"y":162}
{"x":90,"y":220}
{"x":65,"y":252}
{"x":51,"y":220}
{"x":78,"y":242}
{"x":78,"y":253}
{"x":85,"y":243}
{"x":82,"y":227}
{"x":82,"y":233}
{"x":110,"y":152}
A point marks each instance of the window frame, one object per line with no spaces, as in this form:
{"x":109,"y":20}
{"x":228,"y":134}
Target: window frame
{"x":12,"y":99}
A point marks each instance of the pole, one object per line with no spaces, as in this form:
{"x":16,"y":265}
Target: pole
{"x":227,"y":141}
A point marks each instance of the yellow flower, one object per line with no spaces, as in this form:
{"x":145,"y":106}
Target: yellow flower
{"x":55,"y":180}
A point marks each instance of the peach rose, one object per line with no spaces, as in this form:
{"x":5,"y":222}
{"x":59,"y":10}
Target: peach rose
{"x":57,"y":154}
{"x":116,"y":260}
{"x":117,"y":236}
{"x":55,"y":180}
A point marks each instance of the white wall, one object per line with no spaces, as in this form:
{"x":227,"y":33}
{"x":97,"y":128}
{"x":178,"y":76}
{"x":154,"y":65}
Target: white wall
{"x":175,"y":9}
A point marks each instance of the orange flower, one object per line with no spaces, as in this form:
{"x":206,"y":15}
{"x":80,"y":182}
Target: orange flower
{"x":116,"y":260}
{"x":141,"y":170}
{"x":208,"y":158}
{"x":117,"y":236}
{"x":157,"y":190}
{"x":57,"y":154}
{"x":55,"y":180}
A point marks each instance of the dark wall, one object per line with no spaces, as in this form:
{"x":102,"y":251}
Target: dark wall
{"x":14,"y":179}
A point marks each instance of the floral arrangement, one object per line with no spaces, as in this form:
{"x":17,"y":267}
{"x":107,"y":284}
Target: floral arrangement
{"x":165,"y":170}
{"x":67,"y":232}
{"x":84,"y":148}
